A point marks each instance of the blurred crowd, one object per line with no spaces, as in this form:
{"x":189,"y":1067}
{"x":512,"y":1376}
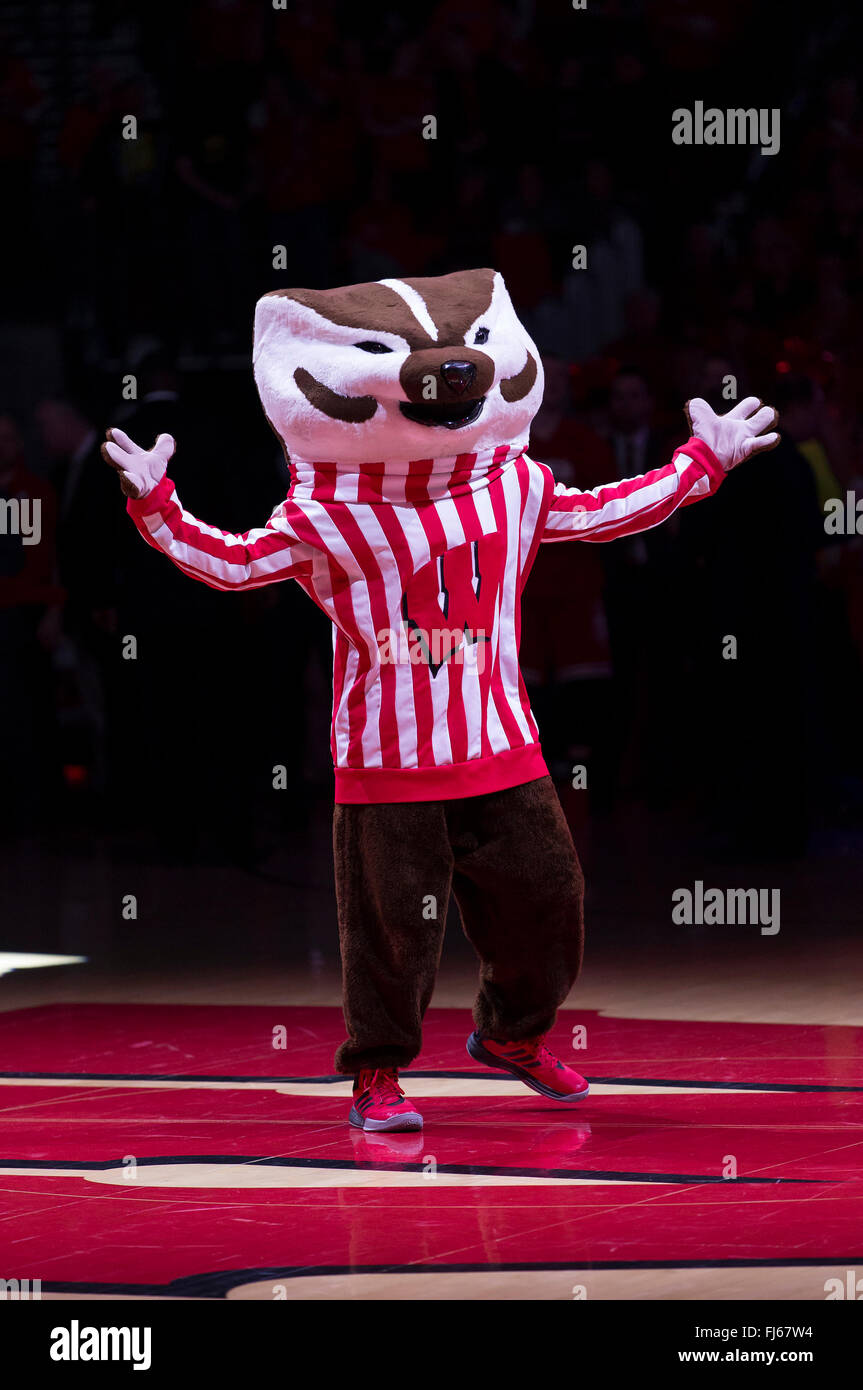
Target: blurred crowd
{"x":715,"y":272}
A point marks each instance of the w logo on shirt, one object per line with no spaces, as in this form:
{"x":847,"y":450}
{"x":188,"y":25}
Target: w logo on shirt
{"x":450,"y":603}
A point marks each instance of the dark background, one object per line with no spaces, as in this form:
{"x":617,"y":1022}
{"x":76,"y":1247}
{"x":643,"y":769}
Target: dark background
{"x":303,"y":128}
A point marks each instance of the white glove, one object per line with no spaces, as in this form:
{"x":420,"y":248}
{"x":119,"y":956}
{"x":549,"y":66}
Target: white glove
{"x":140,"y":469}
{"x":737,"y":435}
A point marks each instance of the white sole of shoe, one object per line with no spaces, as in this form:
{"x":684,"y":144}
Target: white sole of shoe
{"x":392,"y":1126}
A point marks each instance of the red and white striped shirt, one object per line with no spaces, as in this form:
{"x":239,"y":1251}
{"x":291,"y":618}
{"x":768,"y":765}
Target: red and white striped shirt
{"x":421,"y":567}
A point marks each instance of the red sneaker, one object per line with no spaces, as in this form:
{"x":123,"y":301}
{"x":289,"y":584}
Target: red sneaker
{"x":380,"y":1103}
{"x":530,"y":1060}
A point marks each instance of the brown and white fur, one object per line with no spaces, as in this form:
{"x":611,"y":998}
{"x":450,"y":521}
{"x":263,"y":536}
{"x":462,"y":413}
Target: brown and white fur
{"x":396,"y":369}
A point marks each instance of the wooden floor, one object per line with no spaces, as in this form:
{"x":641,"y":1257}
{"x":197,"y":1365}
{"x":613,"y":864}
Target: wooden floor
{"x":155,"y":1144}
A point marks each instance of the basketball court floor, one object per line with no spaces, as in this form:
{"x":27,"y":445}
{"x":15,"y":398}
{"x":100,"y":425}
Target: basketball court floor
{"x":172,"y":1127}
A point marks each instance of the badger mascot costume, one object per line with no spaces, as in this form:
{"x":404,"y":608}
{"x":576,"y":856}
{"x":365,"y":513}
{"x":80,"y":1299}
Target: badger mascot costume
{"x":413,"y":518}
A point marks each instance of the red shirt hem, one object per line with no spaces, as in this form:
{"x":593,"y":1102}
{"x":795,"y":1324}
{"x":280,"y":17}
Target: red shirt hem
{"x":511,"y":768}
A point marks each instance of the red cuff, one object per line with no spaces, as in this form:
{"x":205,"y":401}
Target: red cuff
{"x":154,"y":501}
{"x":701,"y":453}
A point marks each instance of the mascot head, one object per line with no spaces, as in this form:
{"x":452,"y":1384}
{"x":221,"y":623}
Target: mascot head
{"x":396,"y":370}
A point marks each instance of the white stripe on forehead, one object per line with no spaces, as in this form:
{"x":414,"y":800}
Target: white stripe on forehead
{"x":415,"y":303}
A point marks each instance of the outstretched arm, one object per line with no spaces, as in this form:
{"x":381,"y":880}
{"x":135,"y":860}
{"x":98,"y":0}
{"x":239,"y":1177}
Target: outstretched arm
{"x":717,"y":444}
{"x":218,"y":558}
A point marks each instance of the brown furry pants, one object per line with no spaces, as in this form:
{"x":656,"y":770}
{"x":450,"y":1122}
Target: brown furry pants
{"x":510,"y":860}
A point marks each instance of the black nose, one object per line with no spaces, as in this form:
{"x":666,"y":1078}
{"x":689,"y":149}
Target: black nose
{"x":459,"y":376}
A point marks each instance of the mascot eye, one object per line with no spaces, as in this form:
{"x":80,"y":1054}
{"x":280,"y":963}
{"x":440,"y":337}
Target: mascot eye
{"x":481,"y":335}
{"x":373,"y":347}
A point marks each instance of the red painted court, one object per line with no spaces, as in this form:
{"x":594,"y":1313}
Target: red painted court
{"x":164,"y":1150}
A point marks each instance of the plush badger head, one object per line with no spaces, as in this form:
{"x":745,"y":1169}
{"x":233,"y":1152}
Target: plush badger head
{"x":396,"y":370}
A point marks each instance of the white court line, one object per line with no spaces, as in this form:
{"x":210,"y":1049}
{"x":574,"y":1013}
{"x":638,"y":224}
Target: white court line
{"x":420,"y":1087}
{"x":251,"y":1175}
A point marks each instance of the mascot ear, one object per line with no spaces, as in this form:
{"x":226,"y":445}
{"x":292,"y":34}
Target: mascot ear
{"x":274,"y":319}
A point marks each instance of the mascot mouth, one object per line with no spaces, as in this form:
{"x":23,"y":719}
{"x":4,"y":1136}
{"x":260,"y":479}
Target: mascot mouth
{"x":446,"y":414}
